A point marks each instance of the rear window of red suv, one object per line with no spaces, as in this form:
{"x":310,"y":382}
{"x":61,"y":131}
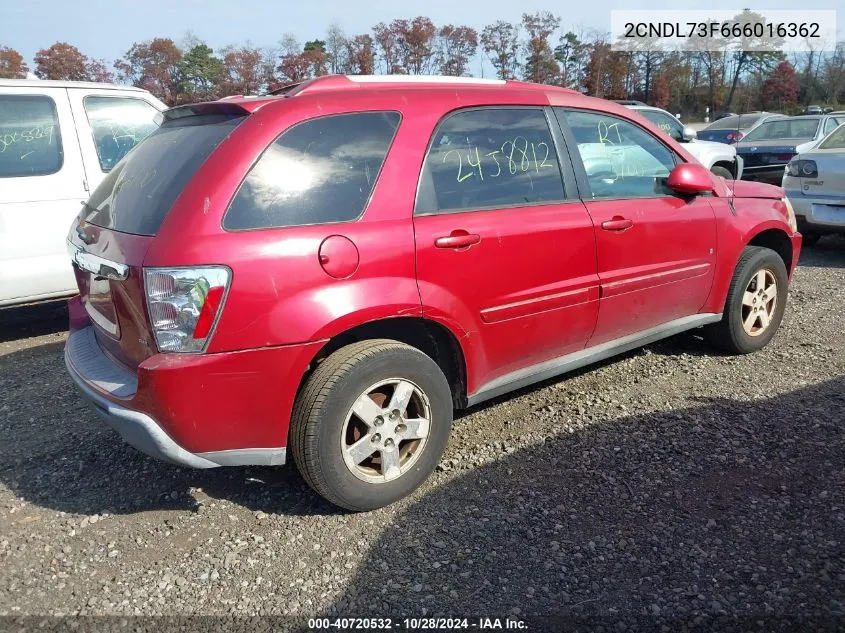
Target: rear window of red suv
{"x":137,"y":194}
{"x":320,"y":171}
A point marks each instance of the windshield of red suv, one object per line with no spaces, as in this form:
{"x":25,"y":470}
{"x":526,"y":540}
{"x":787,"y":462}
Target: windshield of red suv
{"x":137,"y":194}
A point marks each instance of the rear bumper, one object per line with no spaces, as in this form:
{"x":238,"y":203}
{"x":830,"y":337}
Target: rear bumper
{"x":199,"y":411}
{"x":820,"y":214}
{"x":771,"y":174}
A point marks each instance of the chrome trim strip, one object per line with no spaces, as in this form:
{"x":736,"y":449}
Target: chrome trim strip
{"x":576,"y":360}
{"x":97,"y":265}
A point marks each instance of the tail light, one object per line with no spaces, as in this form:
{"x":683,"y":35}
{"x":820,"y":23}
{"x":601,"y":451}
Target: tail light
{"x":184,"y":305}
{"x":802,"y":169}
{"x":735,"y":137}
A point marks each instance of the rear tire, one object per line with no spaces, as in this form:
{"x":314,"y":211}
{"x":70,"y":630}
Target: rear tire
{"x":755,"y":304}
{"x":723,"y":172}
{"x":371,"y":423}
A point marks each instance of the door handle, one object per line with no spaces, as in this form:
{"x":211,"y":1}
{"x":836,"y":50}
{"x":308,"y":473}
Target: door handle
{"x":457,"y":239}
{"x":617,"y":224}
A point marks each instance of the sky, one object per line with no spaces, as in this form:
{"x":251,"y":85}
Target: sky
{"x":107,"y":29}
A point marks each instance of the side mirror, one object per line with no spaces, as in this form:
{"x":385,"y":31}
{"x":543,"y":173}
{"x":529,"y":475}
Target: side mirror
{"x":689,"y":134}
{"x":690,"y":179}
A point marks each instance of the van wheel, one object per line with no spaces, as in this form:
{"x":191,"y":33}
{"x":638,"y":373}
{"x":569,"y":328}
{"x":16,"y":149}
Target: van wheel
{"x":371,"y":423}
{"x":723,"y":172}
{"x":755,"y":303}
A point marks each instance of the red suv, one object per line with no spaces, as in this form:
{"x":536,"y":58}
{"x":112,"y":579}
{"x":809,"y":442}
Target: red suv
{"x":337,"y":267}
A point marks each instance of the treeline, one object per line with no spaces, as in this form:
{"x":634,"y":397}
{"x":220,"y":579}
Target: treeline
{"x":535,"y":49}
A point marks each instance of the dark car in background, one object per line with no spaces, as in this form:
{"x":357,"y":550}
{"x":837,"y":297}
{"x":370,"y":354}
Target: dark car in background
{"x":732,"y":128}
{"x":767,"y":148}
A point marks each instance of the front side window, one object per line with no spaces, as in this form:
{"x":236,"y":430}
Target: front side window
{"x":317,"y":172}
{"x":665,"y":122}
{"x":621,"y":159}
{"x":118,"y":124}
{"x":30,"y":142}
{"x":830,"y":125}
{"x":489,"y":158}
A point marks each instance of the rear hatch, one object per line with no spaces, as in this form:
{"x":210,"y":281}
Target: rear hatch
{"x":112,"y":234}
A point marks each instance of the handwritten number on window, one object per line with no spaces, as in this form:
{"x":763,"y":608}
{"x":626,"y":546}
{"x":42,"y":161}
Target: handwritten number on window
{"x":521,"y":156}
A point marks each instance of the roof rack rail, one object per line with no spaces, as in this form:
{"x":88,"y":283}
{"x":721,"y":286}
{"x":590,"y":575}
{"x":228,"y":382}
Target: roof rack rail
{"x":334,"y":82}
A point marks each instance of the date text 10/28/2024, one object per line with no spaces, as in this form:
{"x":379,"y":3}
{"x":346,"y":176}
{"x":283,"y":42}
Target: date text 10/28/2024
{"x":417,"y":624}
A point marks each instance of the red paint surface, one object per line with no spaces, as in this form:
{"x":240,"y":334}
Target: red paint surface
{"x":539,"y":282}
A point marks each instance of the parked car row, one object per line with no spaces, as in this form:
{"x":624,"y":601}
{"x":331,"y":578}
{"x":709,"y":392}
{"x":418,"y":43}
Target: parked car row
{"x":804,"y":154}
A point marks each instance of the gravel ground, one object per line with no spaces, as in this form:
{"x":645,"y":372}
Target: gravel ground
{"x":668,"y":485}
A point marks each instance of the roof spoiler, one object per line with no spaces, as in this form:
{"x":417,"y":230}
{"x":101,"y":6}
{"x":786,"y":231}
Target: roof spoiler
{"x":213,"y":108}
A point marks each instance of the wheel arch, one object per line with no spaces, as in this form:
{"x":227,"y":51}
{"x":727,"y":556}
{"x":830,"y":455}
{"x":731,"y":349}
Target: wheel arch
{"x":776,"y":240}
{"x":430,"y":337}
{"x":730,"y":165}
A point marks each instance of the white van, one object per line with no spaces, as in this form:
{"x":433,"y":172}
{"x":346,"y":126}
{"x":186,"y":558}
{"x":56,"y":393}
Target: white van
{"x":58,"y":139}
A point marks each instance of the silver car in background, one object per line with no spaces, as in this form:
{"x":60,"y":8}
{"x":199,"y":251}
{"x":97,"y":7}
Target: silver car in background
{"x":814,"y":181}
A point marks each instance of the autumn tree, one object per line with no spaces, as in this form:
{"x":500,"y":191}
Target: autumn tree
{"x":416,"y":44}
{"x":606,"y":71}
{"x":751,"y":53}
{"x":360,"y":55}
{"x":336,"y":49}
{"x":200,"y":74}
{"x":457,"y":46}
{"x":61,"y":61}
{"x":154,"y":66}
{"x":500,"y":41}
{"x":386,"y":38}
{"x":96,"y":70}
{"x":780,"y":89}
{"x":660,"y":94}
{"x":540,"y":64}
{"x":572,"y":55}
{"x":243,"y":71}
{"x":12,"y":65}
{"x":298,"y":66}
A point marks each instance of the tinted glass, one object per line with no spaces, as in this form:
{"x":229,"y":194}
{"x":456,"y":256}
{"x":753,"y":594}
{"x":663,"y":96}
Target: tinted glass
{"x":488,"y":158}
{"x":319,"y":171}
{"x":621,"y":159}
{"x":741,"y":121}
{"x":830,"y":125}
{"x":137,"y":194}
{"x":118,"y":124}
{"x":784,"y":128}
{"x":30,"y":142}
{"x":836,"y":140}
{"x":668,"y":124}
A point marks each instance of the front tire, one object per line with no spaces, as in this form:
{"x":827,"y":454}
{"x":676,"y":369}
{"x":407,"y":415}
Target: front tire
{"x":755,"y":304}
{"x":371,"y":423}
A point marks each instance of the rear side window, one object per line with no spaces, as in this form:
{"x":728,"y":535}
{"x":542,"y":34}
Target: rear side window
{"x":137,"y":194}
{"x":490,"y":158}
{"x":317,"y":172}
{"x":30,"y":143}
{"x":118,"y":124}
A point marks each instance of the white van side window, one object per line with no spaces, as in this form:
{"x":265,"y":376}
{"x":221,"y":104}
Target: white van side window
{"x":118,"y":124}
{"x":30,"y":141}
